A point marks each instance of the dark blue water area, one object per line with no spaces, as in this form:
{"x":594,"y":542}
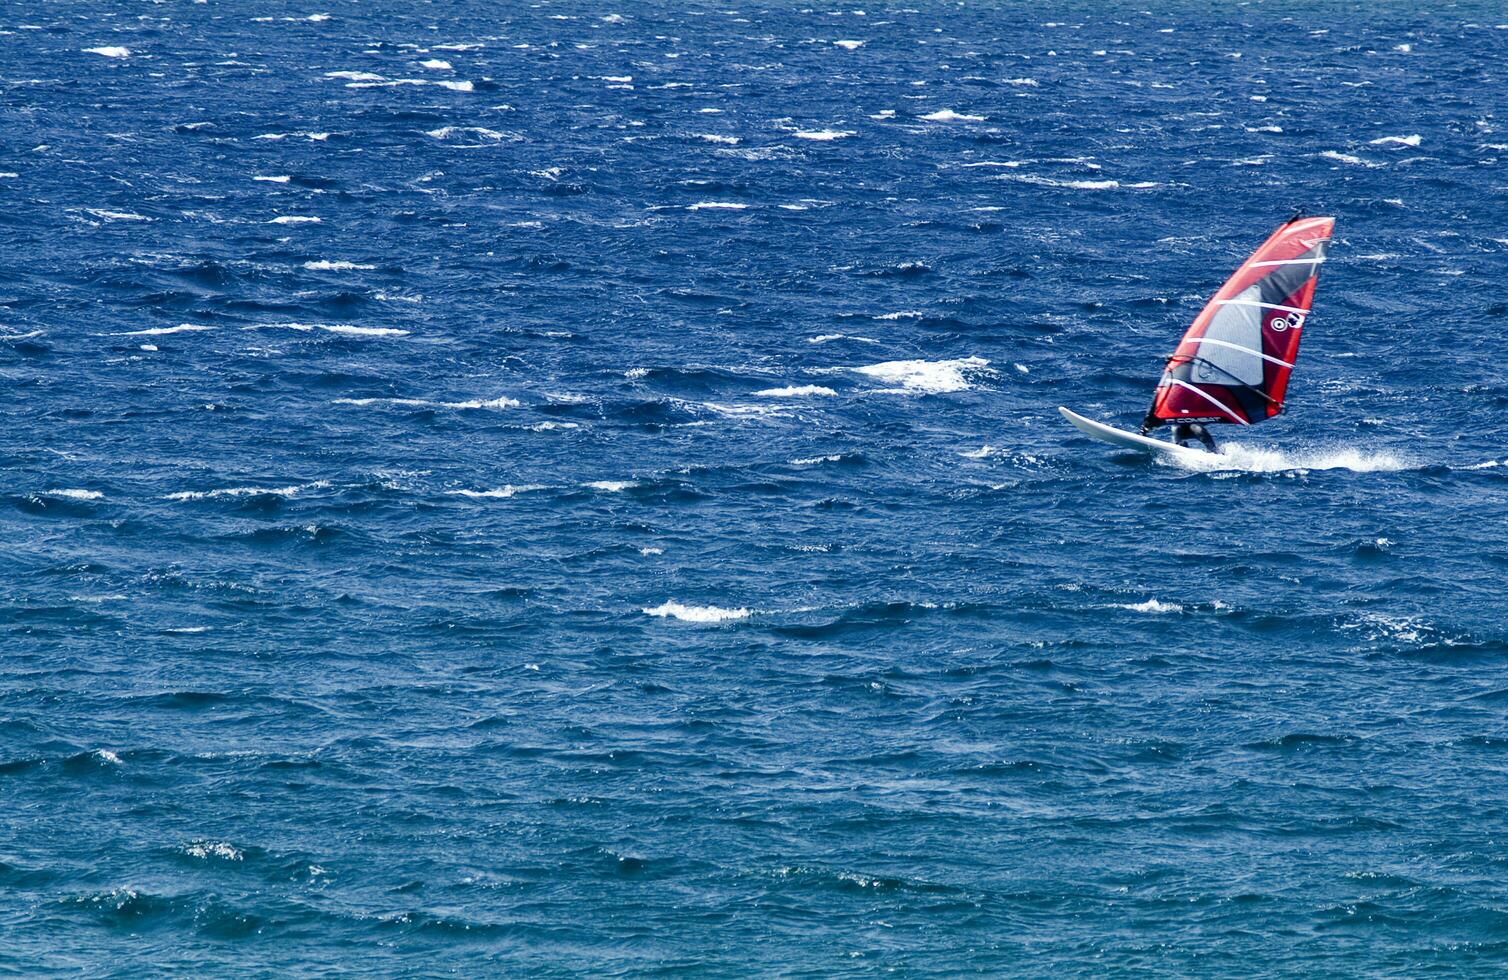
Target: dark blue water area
{"x":576,"y":488}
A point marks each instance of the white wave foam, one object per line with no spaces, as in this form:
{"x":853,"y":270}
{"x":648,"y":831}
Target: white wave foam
{"x":213,"y":849}
{"x":502,"y":401}
{"x":327,"y":265}
{"x":105,"y":755}
{"x":1078,"y":185}
{"x":1023,"y":82}
{"x":74,"y":494}
{"x":716,"y":206}
{"x":815,"y":460}
{"x":1413,"y":140}
{"x":979,"y":453}
{"x":340,"y":328}
{"x":822,"y":135}
{"x":501,"y":493}
{"x":272,"y":180}
{"x":117,"y":215}
{"x":715,"y":138}
{"x":901,"y":315}
{"x":1354,"y":161}
{"x":161,"y":331}
{"x":948,"y":115}
{"x":436,"y":64}
{"x":355,"y":76}
{"x":797,"y":391}
{"x":346,"y":328}
{"x":612,"y":486}
{"x":110,"y":51}
{"x":456,"y":86}
{"x":229,"y":492}
{"x":848,"y":45}
{"x":1150,"y":606}
{"x":696,"y":614}
{"x":294,"y":219}
{"x":927,"y":377}
{"x":1234,"y":456}
{"x":445,"y":132}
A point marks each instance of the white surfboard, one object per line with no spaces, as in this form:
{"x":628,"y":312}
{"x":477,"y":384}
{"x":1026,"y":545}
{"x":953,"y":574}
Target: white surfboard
{"x":1128,"y":440}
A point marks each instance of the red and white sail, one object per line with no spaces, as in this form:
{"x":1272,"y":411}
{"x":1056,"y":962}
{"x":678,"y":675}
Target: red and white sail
{"x":1233,"y":363}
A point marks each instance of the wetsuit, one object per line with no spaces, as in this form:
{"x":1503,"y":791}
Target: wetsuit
{"x":1183,"y":432}
{"x":1187,"y":432}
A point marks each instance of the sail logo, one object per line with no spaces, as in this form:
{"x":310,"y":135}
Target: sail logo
{"x":1292,"y":321}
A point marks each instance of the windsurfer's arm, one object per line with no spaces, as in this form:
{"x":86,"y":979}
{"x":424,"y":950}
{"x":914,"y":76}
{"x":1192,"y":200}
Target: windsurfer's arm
{"x":1149,"y":423}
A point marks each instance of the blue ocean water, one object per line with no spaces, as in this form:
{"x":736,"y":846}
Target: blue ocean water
{"x":576,"y":488}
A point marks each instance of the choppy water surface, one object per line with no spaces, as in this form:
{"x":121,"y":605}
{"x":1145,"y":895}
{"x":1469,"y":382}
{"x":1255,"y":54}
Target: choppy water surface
{"x":577,"y":488}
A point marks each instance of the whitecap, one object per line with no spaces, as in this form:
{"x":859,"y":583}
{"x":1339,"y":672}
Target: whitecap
{"x":797,"y":391}
{"x":436,"y":64}
{"x":110,"y":51}
{"x":502,"y":401}
{"x":612,"y":486}
{"x":696,"y":614}
{"x":72,"y":494}
{"x":901,"y":315}
{"x":456,"y":86}
{"x":445,"y":132}
{"x":715,"y":138}
{"x":1024,"y":82}
{"x":1150,"y":606}
{"x":948,"y":115}
{"x":355,"y":76}
{"x":926,"y":377}
{"x":273,"y":180}
{"x":848,"y":45}
{"x":231,"y":492}
{"x":117,"y":215}
{"x":213,"y":849}
{"x":1346,"y":158}
{"x":328,"y":265}
{"x":294,"y":219}
{"x":822,"y":135}
{"x":349,"y":329}
{"x":716,"y":206}
{"x":1413,"y":140}
{"x":501,"y":493}
{"x":161,"y":331}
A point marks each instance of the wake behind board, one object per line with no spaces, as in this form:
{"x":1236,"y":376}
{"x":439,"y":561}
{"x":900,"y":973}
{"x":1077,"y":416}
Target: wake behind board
{"x":1129,"y":440}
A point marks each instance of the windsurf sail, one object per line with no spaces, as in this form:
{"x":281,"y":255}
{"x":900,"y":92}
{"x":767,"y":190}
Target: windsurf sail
{"x":1233,"y":363}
